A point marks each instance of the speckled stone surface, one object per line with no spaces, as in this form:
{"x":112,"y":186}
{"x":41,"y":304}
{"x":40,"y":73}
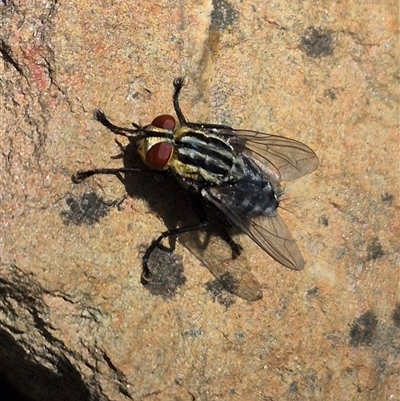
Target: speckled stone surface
{"x":75,"y":321}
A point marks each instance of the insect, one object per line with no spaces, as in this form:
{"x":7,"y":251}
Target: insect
{"x":233,"y":171}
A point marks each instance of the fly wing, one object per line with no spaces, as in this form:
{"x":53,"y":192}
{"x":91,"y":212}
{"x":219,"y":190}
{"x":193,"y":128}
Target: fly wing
{"x":278,"y":157}
{"x":268,"y":231}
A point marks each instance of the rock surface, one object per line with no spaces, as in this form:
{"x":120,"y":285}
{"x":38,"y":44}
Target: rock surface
{"x":75,"y":321}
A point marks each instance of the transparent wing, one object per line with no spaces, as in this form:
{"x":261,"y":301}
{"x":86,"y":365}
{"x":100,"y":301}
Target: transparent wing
{"x":268,"y":231}
{"x":278,"y":157}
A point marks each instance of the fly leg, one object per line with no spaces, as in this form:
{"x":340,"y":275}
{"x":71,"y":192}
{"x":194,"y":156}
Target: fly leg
{"x":81,"y":175}
{"x":202,"y":216}
{"x":236,"y":248}
{"x":178,"y":85}
{"x":198,"y":207}
{"x":101,"y":117}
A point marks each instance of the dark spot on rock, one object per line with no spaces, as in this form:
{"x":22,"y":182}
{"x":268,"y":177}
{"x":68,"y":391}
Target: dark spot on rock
{"x":313,"y":292}
{"x":194,"y":333}
{"x":293,"y":387}
{"x":324,"y":221}
{"x":311,"y":381}
{"x":341,"y":253}
{"x":228,"y":281}
{"x":239,"y":335}
{"x":387,"y":198}
{"x":220,"y":294}
{"x":330,"y":93}
{"x":87,"y":209}
{"x":336,"y":205}
{"x":396,"y":315}
{"x":167,"y":274}
{"x":374,"y":250}
{"x":316,"y":43}
{"x":363,"y":329}
{"x":223,"y":15}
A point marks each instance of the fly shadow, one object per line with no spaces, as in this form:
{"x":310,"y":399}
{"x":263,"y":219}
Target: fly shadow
{"x":212,"y":244}
{"x":177,"y":208}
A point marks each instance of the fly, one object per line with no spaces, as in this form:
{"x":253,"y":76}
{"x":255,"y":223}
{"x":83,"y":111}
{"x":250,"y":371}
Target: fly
{"x":233,"y":171}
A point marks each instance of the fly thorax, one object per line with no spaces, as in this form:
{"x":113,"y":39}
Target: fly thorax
{"x":211,"y":158}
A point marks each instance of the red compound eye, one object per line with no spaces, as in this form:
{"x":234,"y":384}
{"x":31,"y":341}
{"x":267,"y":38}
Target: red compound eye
{"x":158,"y":155}
{"x":164,"y":121}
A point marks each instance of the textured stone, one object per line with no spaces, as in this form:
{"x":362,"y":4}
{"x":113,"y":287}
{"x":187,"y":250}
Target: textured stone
{"x":75,"y":321}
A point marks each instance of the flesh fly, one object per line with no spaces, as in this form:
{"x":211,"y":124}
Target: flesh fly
{"x":232,"y":171}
